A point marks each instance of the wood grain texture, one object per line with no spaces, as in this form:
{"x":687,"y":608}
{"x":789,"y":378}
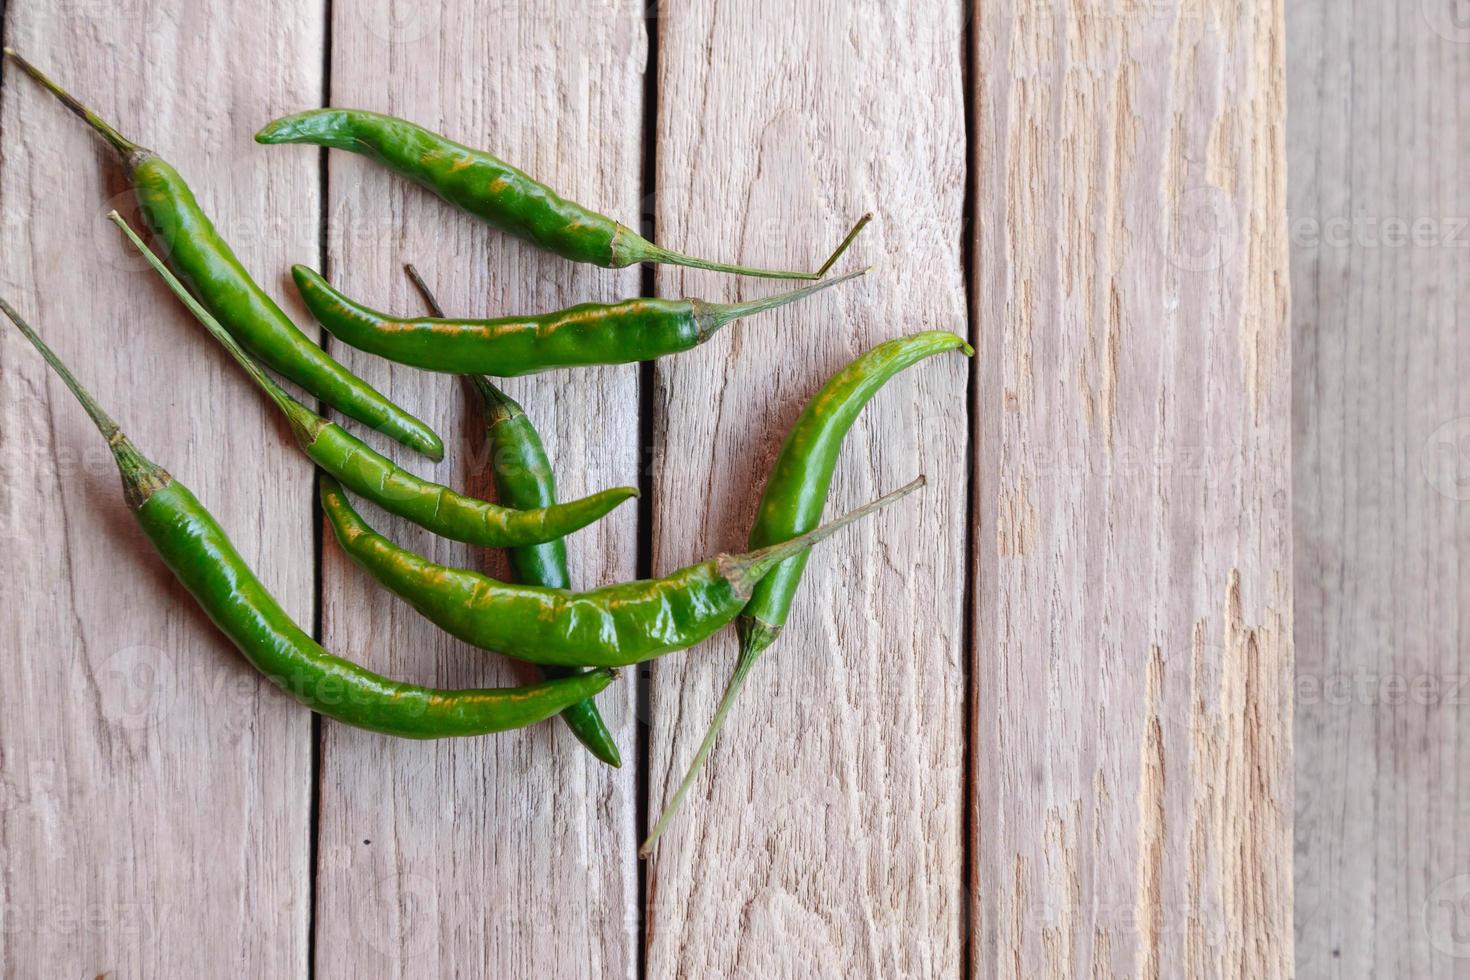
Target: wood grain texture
{"x":1129,"y":734}
{"x":1378,"y":134}
{"x":514,"y":855}
{"x":1132,"y":721}
{"x":154,"y":793}
{"x":824,"y":837}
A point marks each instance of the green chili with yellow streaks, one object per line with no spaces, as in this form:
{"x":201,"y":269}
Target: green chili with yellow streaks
{"x":207,"y":264}
{"x":491,"y":189}
{"x":523,"y":478}
{"x":202,"y":557}
{"x":385,"y":483}
{"x":792,"y":503}
{"x":592,"y":333}
{"x":613,"y":626}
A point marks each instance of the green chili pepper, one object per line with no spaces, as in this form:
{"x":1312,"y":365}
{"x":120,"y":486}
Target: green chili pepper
{"x":205,"y":262}
{"x":523,"y":478}
{"x":792,"y":503}
{"x":492,"y":189}
{"x":349,"y":459}
{"x":612,"y":626}
{"x":592,"y":333}
{"x":200,"y":554}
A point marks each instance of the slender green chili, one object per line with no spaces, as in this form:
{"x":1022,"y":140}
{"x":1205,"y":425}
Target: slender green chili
{"x":205,"y":262}
{"x":592,"y":333}
{"x":349,"y":459}
{"x":490,"y":188}
{"x":792,"y":503}
{"x":523,"y":479}
{"x":200,"y":554}
{"x":612,"y":626}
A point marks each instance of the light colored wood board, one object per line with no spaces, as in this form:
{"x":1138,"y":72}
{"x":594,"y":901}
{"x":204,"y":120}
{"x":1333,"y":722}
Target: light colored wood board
{"x":154,"y":791}
{"x":512,"y":855}
{"x":1377,"y":138}
{"x":824,"y":836}
{"x":1132,"y":660}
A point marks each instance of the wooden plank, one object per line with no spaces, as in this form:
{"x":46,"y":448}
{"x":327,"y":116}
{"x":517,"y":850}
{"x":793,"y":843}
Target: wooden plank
{"x":824,"y":838}
{"x":154,"y":792}
{"x":513,"y":855}
{"x":1131,"y":724}
{"x":1380,"y":252}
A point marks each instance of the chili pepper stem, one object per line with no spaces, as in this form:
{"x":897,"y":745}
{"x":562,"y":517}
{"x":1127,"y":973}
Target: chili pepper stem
{"x":753,"y":642}
{"x":141,"y":476}
{"x":629,"y":247}
{"x":305,"y":424}
{"x":750,"y":651}
{"x":846,"y":242}
{"x":713,"y":316}
{"x":125,"y":147}
{"x":744,"y":571}
{"x":430,"y":300}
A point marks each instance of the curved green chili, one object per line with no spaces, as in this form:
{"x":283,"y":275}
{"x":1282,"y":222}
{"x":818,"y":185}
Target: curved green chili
{"x":792,"y":503}
{"x":205,"y":262}
{"x":490,"y":188}
{"x":523,"y":479}
{"x":349,"y":459}
{"x":592,"y":333}
{"x":201,"y":556}
{"x":613,"y":626}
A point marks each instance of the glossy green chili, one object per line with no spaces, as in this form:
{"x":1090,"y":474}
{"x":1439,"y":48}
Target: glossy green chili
{"x":523,"y":479}
{"x":792,"y":503}
{"x":612,"y":626}
{"x":199,"y":553}
{"x":349,"y":459}
{"x":207,"y":264}
{"x":493,"y":190}
{"x":592,"y":333}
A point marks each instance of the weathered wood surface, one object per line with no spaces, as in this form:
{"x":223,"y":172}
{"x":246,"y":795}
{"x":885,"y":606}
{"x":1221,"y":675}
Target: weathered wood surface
{"x":511,"y":856}
{"x":1131,"y":728}
{"x":824,"y":838}
{"x":1110,"y":793}
{"x":1380,"y":254}
{"x":154,"y":795}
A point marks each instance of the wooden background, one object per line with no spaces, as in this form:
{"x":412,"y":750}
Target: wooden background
{"x":1035,"y":721}
{"x":1380,"y":232}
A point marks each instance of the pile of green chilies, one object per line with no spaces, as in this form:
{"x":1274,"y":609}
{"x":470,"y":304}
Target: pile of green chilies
{"x":579,"y":639}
